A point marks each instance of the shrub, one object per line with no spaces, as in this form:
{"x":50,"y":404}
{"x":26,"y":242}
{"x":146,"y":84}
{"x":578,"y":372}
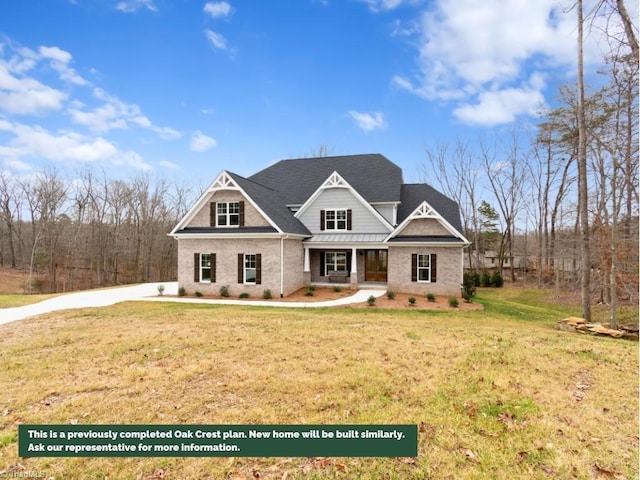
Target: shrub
{"x":475,"y":277}
{"x":485,"y":279}
{"x":497,"y":280}
{"x":198,"y":293}
{"x":412,"y":301}
{"x":266,"y":294}
{"x":244,"y":295}
{"x":337,"y":288}
{"x":453,"y":302}
{"x":224,"y":291}
{"x":468,"y":287}
{"x":310,"y":290}
{"x":182,"y":291}
{"x":160,"y":289}
{"x":431,"y":297}
{"x":371,"y":300}
{"x":391,"y":294}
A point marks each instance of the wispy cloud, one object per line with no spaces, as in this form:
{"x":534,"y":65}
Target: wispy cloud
{"x":201,"y":142}
{"x":368,"y":121}
{"x":216,"y":39}
{"x":217,"y":9}
{"x":383,"y":5}
{"x":132,"y":6}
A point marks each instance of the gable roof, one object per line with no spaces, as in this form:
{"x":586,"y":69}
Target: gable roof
{"x":414,"y":194}
{"x":373,"y":176}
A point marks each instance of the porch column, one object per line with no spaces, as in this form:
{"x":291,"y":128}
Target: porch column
{"x":307,"y":263}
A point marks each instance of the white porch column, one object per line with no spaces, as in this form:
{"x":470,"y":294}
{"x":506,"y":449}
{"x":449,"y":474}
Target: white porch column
{"x":354,"y":261}
{"x":307,"y":263}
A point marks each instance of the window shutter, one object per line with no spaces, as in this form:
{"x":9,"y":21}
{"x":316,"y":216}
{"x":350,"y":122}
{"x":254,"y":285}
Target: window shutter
{"x":213,"y":267}
{"x":322,"y":273}
{"x":433,"y":267}
{"x":349,"y":219}
{"x":258,"y":268}
{"x":196,"y":267}
{"x":349,"y":262}
{"x":241,"y":213}
{"x":322,"y":220}
{"x":212,"y":214}
{"x":240,"y":268}
{"x":414,"y":267}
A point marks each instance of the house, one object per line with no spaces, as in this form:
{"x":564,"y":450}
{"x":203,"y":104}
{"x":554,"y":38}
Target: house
{"x":347,"y":219}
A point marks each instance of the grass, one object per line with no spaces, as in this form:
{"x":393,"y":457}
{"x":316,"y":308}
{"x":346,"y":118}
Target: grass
{"x":496,"y":393}
{"x":15,"y":300}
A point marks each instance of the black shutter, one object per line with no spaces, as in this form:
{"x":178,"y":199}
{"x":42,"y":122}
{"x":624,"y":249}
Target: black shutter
{"x":414,"y":267}
{"x":196,"y":267}
{"x":349,"y":219}
{"x":213,"y":267}
{"x":258,"y":268}
{"x":241,"y":213}
{"x":212,"y":214}
{"x":322,"y":273}
{"x":321,"y":219}
{"x":240,"y":268}
{"x":349,"y":262}
{"x":434,"y":267}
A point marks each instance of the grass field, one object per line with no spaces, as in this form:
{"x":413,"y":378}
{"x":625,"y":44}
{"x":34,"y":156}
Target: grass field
{"x":496,"y":393}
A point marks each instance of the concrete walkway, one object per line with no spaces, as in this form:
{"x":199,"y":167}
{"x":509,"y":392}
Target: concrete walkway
{"x":149,"y":292}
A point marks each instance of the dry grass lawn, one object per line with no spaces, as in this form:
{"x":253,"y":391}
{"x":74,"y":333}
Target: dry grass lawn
{"x":497,"y":393}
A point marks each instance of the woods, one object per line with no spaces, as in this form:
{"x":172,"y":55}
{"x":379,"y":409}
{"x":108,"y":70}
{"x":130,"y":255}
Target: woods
{"x":89,"y":230}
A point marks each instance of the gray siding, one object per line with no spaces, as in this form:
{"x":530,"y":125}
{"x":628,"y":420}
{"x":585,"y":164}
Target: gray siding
{"x":364,"y":221}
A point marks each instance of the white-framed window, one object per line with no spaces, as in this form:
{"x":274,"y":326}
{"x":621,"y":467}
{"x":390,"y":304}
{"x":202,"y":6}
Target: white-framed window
{"x":250,"y":266}
{"x":205,"y":268}
{"x":336,"y":261}
{"x":424,"y":268}
{"x":228,"y":214}
{"x":335,"y":219}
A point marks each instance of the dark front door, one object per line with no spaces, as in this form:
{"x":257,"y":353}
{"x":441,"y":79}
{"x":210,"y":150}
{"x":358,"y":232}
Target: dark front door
{"x":375,"y":266}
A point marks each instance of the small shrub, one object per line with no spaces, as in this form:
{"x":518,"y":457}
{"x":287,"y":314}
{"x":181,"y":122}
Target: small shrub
{"x":266,"y":294}
{"x":431,"y":297}
{"x":453,"y":302}
{"x":391,"y":294}
{"x":224,"y":291}
{"x":485,"y":279}
{"x":412,"y":301}
{"x":244,"y":295}
{"x":475,"y":277}
{"x":337,"y":288}
{"x":160,"y":289}
{"x":468,"y":287}
{"x":182,"y":291}
{"x":371,"y":300}
{"x":310,"y":290}
{"x":198,"y":293}
{"x":497,"y":280}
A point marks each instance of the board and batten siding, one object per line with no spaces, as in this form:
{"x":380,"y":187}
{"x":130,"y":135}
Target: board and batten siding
{"x":363,"y":220}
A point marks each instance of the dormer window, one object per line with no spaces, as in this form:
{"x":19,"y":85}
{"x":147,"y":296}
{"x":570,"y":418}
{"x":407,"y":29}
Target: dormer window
{"x":335,"y":220}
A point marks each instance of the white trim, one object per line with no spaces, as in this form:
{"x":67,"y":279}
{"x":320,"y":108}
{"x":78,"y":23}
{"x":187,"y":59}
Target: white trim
{"x":235,"y":236}
{"x":336,"y":181}
{"x":424,"y":210}
{"x":223,"y":181}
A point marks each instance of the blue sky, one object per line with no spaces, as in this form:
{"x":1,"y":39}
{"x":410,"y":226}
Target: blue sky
{"x":184,"y":89}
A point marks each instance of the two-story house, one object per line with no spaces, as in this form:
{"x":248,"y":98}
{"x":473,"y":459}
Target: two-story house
{"x":348,"y":219}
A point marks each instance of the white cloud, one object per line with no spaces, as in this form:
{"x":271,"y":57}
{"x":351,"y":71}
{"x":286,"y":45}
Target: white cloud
{"x":26,"y":95}
{"x":383,"y":5}
{"x":201,"y":142}
{"x":217,"y":9}
{"x":367,"y":121}
{"x":131,"y":6}
{"x":483,"y":54}
{"x":216,"y":39}
{"x":55,"y":53}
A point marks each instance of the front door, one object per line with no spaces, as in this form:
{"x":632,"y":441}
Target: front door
{"x":375,"y":266}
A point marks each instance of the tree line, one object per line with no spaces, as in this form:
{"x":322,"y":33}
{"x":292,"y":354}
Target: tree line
{"x":89,"y":230}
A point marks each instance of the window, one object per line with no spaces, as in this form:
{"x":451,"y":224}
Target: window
{"x":336,"y":261}
{"x":335,"y":220}
{"x":423,"y":268}
{"x":228,"y":214}
{"x":249,"y":268}
{"x":204,"y":270}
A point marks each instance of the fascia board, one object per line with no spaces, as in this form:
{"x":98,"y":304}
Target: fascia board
{"x":436,"y":215}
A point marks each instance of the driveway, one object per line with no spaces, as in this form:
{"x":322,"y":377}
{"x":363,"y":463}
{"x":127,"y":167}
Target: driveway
{"x":149,"y":292}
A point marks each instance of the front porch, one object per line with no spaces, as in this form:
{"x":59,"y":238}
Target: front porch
{"x":354,"y":267}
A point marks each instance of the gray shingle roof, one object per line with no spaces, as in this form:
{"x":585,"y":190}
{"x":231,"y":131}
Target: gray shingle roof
{"x":413,"y":194}
{"x":374,"y":177}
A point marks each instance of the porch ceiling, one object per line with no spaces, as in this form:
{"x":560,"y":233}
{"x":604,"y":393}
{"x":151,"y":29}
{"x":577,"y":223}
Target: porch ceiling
{"x":347,"y":238}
